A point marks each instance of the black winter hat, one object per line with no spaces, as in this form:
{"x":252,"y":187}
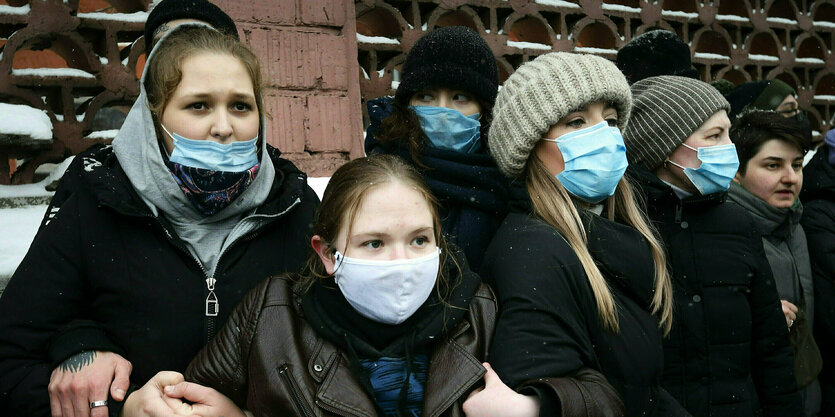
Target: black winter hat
{"x":658,"y":52}
{"x":168,"y":10}
{"x":763,"y":95}
{"x":450,"y":57}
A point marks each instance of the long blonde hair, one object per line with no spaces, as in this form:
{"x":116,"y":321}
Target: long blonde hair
{"x":552,"y":203}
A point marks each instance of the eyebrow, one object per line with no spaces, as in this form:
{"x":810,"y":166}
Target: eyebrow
{"x":237,"y":96}
{"x":379,"y":234}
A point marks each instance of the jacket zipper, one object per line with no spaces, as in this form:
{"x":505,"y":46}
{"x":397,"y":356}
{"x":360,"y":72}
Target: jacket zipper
{"x":211,"y":300}
{"x":284,"y":371}
{"x":212,"y":304}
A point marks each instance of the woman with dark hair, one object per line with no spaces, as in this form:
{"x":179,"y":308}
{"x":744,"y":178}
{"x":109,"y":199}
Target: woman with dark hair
{"x":438,"y":121}
{"x":770,"y":149}
{"x":386,"y":320}
{"x":164,"y":234}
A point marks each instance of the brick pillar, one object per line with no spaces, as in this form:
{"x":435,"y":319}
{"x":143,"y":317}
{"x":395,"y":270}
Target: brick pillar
{"x":308,"y":52}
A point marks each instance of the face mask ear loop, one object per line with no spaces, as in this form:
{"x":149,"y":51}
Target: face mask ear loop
{"x":166,"y":131}
{"x":338,"y":259}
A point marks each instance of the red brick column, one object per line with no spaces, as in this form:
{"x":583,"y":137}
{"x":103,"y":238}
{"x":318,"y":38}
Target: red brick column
{"x":308,"y":57}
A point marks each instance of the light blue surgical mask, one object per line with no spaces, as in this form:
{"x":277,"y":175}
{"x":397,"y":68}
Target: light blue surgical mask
{"x":719,"y":165}
{"x":450,"y":129}
{"x":237,"y":156}
{"x":595,"y":160}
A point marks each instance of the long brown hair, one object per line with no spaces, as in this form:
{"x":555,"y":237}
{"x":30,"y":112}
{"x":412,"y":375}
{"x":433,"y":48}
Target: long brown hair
{"x":554,"y":205}
{"x":343,"y":196}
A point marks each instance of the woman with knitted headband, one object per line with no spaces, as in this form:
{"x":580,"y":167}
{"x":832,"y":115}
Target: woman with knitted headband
{"x":580,"y":276}
{"x":438,"y":121}
{"x":728,"y":352}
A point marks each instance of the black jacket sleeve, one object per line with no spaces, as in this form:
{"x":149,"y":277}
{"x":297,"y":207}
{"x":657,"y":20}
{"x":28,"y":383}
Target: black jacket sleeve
{"x":772,"y":365}
{"x":78,"y":336}
{"x":47,"y":289}
{"x":542,"y":336}
{"x":819,"y":224}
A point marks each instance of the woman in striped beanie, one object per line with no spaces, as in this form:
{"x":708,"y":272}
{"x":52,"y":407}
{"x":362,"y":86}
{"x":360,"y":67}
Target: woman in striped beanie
{"x":728,"y":353}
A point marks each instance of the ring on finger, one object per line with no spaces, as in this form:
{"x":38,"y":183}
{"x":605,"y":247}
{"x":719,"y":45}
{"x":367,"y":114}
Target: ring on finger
{"x":791,"y":322}
{"x":102,"y":403}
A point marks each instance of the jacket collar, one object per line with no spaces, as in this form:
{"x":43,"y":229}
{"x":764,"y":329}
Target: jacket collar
{"x":659,"y":194}
{"x":340,"y":392}
{"x":771,"y":220}
{"x":112,"y":188}
{"x":819,"y":177}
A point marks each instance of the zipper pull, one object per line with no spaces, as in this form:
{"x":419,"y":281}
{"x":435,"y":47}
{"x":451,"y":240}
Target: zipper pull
{"x":678,"y":212}
{"x":212,"y":305}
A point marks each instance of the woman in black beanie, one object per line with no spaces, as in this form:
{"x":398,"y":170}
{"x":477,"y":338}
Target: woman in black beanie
{"x":438,"y":121}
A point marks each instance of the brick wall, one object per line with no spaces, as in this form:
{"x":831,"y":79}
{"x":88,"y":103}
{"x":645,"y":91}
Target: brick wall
{"x":307,"y":49}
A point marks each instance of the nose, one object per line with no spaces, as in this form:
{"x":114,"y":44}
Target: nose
{"x":221,"y":126}
{"x":398,"y":252}
{"x":444,"y":101}
{"x":791,"y":176}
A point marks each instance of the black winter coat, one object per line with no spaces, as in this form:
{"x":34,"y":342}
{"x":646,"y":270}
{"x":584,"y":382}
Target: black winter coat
{"x":818,"y":221}
{"x":110,"y":276}
{"x":471,"y":190}
{"x":728,"y":354}
{"x":548,"y":321}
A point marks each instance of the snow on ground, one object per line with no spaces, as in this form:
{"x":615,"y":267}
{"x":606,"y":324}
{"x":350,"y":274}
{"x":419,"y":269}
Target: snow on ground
{"x":18,"y":119}
{"x":17,"y":229}
{"x":318,"y":185}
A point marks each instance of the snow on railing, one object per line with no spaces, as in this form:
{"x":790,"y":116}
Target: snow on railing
{"x":558,"y":3}
{"x":52,"y":72}
{"x":22,"y":120}
{"x":529,"y":45}
{"x":377,"y":40}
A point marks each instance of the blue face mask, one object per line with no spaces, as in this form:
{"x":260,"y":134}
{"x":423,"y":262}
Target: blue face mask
{"x":450,"y":129}
{"x":719,"y":165}
{"x":205,"y":154}
{"x":595,"y":160}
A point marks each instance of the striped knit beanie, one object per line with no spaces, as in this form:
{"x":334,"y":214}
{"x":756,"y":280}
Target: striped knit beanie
{"x":543,"y":91}
{"x":667,"y":110}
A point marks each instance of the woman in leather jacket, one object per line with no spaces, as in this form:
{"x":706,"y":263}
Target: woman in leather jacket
{"x":385,"y":320}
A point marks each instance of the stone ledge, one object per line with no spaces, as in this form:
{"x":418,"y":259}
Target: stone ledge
{"x":17,"y":202}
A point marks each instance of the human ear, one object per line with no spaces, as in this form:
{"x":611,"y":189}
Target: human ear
{"x":324,"y":251}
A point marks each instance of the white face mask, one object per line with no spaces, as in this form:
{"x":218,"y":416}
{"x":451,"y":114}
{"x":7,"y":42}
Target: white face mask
{"x":387,"y":291}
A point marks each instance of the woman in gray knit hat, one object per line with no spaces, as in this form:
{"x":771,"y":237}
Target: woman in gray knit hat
{"x":579,"y":273}
{"x":728,"y":352}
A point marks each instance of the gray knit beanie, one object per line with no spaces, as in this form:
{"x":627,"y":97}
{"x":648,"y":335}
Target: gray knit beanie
{"x":543,"y":91}
{"x":667,"y":110}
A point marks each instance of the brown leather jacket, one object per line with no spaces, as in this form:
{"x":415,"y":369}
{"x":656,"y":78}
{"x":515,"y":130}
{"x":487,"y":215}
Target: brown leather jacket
{"x":271,"y":362}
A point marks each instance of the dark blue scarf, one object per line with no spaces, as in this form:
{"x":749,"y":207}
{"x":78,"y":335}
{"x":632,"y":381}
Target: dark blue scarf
{"x":211,"y":191}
